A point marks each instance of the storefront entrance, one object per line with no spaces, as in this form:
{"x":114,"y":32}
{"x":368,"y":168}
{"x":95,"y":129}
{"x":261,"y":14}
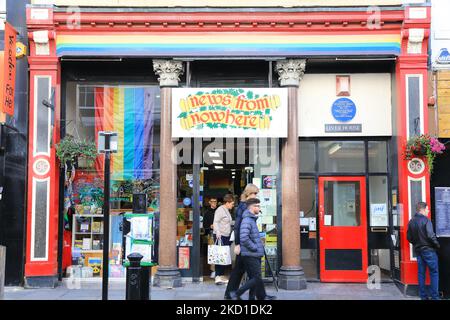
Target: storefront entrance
{"x":343,"y":229}
{"x":219,"y":169}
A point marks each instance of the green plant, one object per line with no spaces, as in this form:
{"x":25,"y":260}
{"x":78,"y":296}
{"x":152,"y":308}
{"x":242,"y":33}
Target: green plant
{"x":180,"y":217}
{"x":70,"y":149}
{"x":424,"y":145}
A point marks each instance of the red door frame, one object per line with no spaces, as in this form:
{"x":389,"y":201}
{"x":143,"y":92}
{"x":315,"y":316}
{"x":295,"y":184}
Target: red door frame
{"x":329,"y":237}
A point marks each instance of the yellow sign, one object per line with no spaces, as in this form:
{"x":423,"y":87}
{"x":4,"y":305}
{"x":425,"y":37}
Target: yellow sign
{"x":21,"y":50}
{"x":229,"y":112}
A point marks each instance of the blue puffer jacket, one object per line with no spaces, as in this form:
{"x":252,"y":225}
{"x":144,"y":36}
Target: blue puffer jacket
{"x":251,"y":244}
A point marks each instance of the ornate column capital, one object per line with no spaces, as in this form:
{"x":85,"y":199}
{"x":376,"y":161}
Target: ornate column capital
{"x":290,"y":71}
{"x":169,"y":72}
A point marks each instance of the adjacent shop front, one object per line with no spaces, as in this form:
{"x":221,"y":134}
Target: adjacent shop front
{"x":315,"y":117}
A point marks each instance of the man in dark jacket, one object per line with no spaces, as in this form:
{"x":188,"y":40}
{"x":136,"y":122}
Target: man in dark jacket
{"x":208,"y":215}
{"x":420,"y":233}
{"x":252,"y":250}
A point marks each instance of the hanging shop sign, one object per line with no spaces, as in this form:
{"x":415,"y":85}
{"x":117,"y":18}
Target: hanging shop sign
{"x":9,"y":71}
{"x":229,"y":112}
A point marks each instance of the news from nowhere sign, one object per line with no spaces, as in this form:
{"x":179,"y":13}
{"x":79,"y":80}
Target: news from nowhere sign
{"x":229,"y":112}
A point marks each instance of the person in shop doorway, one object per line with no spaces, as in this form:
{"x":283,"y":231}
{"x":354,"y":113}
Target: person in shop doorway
{"x":251,"y":250}
{"x":421,"y":235}
{"x":208,"y":221}
{"x":250,"y":192}
{"x":222,"y":232}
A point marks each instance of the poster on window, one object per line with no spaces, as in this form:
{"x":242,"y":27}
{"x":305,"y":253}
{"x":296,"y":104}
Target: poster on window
{"x":229,"y":112}
{"x":378,"y":215}
{"x":442,"y":211}
{"x":183,"y":257}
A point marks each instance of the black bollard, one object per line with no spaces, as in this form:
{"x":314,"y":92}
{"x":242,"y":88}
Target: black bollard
{"x":133,"y":282}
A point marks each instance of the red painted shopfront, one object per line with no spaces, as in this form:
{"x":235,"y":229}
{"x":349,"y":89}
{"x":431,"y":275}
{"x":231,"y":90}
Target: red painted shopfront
{"x":399,"y":33}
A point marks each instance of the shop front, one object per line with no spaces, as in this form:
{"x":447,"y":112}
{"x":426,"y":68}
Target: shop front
{"x":314,"y":113}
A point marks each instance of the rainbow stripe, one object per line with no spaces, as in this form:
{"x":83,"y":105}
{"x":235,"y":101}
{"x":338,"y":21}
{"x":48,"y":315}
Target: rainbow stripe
{"x":129,"y":112}
{"x":226,"y":44}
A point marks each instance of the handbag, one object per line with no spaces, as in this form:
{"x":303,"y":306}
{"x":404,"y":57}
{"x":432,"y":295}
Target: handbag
{"x":219,"y":254}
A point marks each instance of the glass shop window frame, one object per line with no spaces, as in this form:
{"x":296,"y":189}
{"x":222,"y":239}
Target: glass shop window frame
{"x":84,"y":99}
{"x":315,"y":174}
{"x":367,"y":172}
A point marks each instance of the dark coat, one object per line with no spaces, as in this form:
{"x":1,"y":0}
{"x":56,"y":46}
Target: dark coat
{"x":208,"y":218}
{"x":251,"y":244}
{"x":420,"y":233}
{"x":237,"y":224}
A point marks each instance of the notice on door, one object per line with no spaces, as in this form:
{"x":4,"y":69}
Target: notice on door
{"x":378,"y":215}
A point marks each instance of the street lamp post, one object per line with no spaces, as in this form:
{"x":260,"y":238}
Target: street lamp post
{"x":107,"y":144}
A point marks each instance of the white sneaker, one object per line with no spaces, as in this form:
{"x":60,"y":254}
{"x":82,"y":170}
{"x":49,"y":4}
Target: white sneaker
{"x":213,"y":275}
{"x":218,"y":280}
{"x":224,"y":280}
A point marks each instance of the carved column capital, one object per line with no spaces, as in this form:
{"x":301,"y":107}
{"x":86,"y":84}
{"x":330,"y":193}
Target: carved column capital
{"x":169,"y":72}
{"x":290,"y":71}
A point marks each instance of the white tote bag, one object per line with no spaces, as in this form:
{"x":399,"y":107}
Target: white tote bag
{"x":219,"y":254}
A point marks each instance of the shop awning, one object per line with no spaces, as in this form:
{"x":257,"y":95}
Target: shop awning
{"x":228,"y":44}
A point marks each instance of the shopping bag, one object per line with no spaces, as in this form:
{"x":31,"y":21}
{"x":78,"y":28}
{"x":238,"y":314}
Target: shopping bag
{"x":219,"y":254}
{"x":232,"y":236}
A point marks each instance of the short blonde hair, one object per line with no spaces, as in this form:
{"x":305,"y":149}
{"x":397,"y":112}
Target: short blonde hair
{"x":249,"y":189}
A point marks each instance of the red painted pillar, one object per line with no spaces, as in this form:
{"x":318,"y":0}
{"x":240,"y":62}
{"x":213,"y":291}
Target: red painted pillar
{"x":43,"y":172}
{"x":411,"y":81}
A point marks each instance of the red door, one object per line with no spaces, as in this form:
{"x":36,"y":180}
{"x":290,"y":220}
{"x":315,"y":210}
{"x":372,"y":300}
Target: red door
{"x":343,"y":229}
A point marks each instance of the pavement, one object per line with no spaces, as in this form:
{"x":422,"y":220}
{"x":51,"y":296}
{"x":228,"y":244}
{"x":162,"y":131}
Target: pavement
{"x":208,"y":291}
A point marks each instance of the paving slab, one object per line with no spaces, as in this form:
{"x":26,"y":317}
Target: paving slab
{"x":210,"y":291}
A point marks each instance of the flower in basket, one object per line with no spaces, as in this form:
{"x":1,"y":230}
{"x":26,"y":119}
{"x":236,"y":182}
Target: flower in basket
{"x":424,"y":146}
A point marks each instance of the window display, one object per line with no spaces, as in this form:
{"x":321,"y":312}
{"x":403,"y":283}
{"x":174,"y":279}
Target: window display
{"x":133,"y":111}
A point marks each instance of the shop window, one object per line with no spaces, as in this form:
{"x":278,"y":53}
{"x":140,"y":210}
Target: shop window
{"x":382,"y":259}
{"x":416,"y":194}
{"x":2,"y":14}
{"x":341,"y":156}
{"x":134,"y":113}
{"x":377,"y":156}
{"x":414,"y":105}
{"x":343,"y":203}
{"x":308,"y":227}
{"x":378,"y":195}
{"x":307,"y":156}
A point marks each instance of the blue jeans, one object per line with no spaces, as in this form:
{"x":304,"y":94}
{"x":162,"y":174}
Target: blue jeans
{"x":428,"y":258}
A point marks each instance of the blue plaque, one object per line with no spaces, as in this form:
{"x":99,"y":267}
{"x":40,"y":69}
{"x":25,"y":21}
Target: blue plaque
{"x":187,"y":202}
{"x":343,"y":109}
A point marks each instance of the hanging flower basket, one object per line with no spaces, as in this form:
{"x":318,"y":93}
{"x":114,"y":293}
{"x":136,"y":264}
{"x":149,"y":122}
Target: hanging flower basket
{"x":70,"y":149}
{"x":424,"y":146}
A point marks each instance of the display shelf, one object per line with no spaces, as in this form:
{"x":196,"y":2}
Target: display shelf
{"x":87,"y":238}
{"x":88,"y":215}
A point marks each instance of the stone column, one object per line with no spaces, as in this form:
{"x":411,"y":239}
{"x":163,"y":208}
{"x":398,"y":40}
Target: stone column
{"x":168,"y":274}
{"x":291,"y":275}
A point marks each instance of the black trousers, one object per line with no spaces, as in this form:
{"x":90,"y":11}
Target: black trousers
{"x":220,"y":270}
{"x":253,"y":269}
{"x":236,"y":277}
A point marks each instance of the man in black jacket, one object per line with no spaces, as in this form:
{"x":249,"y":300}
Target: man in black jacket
{"x":420,"y":233}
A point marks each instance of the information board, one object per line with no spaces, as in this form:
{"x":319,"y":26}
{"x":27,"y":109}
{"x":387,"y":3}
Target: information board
{"x":442,"y":211}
